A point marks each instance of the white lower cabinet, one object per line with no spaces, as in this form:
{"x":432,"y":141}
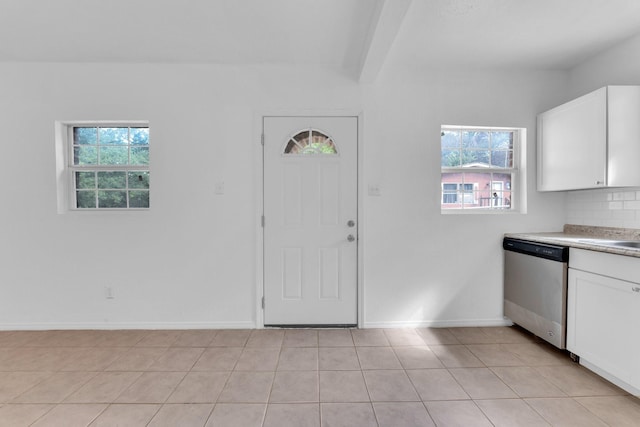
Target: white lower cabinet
{"x":603,"y":315}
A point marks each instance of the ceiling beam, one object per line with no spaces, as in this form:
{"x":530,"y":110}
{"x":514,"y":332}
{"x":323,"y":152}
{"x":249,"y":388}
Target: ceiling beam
{"x":384,"y":27}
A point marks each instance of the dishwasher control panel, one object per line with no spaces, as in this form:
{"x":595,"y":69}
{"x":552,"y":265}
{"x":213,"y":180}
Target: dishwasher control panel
{"x":542,"y":250}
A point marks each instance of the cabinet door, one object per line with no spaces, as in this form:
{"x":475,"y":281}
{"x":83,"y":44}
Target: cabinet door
{"x":624,"y":136}
{"x":602,"y":317}
{"x":572,"y":144}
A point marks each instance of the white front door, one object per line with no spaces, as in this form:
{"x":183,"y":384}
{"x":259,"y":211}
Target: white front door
{"x":310,"y":229}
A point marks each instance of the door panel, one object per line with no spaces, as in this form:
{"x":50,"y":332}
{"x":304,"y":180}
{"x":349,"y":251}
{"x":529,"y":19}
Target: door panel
{"x":291,"y":273}
{"x":292,"y":195}
{"x":329,"y":190}
{"x":310,"y":267}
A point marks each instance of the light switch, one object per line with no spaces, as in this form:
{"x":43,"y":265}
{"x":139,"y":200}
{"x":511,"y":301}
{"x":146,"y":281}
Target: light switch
{"x":218,"y":188}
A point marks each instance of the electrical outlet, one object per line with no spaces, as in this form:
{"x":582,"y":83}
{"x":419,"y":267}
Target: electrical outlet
{"x":374,"y":190}
{"x":109,"y":293}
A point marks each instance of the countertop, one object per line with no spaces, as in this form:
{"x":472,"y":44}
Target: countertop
{"x":586,"y":237}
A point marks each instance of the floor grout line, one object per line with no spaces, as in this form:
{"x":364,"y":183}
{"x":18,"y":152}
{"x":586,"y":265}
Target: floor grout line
{"x":26,"y":359}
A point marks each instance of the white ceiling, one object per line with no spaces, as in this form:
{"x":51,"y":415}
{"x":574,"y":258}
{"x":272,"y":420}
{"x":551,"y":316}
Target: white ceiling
{"x":328,"y":32}
{"x":354,"y":36}
{"x":513,"y":33}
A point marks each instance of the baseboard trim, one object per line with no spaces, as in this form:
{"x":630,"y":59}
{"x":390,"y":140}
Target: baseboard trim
{"x":124,"y":325}
{"x":438,"y":323}
{"x":241,"y":325}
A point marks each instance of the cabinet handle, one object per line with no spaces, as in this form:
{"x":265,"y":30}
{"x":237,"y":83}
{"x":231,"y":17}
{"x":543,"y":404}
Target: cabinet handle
{"x":635,"y":289}
{"x":599,"y":182}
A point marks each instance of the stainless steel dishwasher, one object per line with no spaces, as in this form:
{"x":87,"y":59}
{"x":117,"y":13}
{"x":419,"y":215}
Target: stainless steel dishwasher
{"x":535,"y":288}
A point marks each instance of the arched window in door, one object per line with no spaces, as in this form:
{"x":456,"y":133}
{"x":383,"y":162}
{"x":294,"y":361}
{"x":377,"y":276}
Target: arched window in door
{"x":310,"y":141}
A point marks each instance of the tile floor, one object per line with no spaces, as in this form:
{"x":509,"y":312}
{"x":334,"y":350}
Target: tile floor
{"x":356,"y":378}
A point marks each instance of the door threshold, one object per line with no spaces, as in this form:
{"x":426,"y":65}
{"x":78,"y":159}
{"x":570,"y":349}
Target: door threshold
{"x":321,"y":326}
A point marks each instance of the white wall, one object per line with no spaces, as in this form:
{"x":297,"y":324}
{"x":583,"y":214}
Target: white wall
{"x":191,"y":260}
{"x":423,"y":267}
{"x":188,"y":262}
{"x":619,"y":65}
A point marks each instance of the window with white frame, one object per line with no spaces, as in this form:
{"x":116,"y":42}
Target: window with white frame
{"x":479,"y":168}
{"x":107,"y":165}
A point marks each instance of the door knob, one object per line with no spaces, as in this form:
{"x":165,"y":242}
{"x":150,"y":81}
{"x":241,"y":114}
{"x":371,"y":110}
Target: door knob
{"x":351,"y":223}
{"x":351,"y":238}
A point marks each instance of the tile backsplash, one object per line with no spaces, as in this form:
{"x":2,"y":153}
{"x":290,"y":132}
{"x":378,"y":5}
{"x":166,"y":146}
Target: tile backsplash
{"x":612,"y":207}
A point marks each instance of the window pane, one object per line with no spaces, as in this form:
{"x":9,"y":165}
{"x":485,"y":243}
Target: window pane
{"x":114,"y":155}
{"x":469,"y":195}
{"x":139,"y":155}
{"x":138,"y":179}
{"x":502,"y":159}
{"x":138,"y":199}
{"x":450,"y":139}
{"x":474,"y":139}
{"x":85,"y":199}
{"x":140,"y":136}
{"x":450,"y":196}
{"x":114,"y":135}
{"x":303,"y":137}
{"x":85,"y":180}
{"x":112,"y":180}
{"x":486,"y":190}
{"x":474,"y":190}
{"x":310,"y":142}
{"x":475,"y":158}
{"x":325,"y":147}
{"x":502,"y":140}
{"x":450,"y":158}
{"x":85,"y":155}
{"x":481,"y":184}
{"x":85,"y":136}
{"x":321,"y":143}
{"x":501,"y":186}
{"x":291,"y":147}
{"x":112,"y":199}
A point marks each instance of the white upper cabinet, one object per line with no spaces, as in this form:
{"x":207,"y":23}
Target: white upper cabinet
{"x":591,"y":142}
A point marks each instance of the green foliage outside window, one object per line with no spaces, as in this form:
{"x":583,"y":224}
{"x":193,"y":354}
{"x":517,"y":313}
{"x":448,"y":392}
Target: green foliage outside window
{"x":461,"y":148}
{"x":111,"y":146}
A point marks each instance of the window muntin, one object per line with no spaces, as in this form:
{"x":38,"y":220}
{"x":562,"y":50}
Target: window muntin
{"x":110,"y":145}
{"x":109,"y":167}
{"x":310,"y":142}
{"x":479,"y":167}
{"x":477,"y":148}
{"x":476,"y":190}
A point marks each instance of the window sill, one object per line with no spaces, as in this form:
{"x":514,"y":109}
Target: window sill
{"x":480,"y":212}
{"x":103,"y":211}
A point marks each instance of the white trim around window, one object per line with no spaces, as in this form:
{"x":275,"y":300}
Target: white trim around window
{"x":102,"y":166}
{"x":492,"y":160}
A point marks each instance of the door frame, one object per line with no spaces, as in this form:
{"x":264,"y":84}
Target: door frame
{"x":258,"y":125}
